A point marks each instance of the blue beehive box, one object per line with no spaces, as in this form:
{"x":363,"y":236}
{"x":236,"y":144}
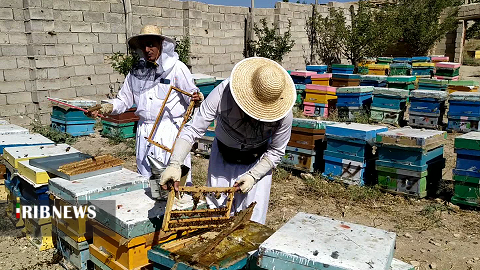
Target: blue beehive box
{"x":402,"y":59}
{"x":320,"y":69}
{"x":74,"y":128}
{"x":363,"y":132}
{"x":340,"y":68}
{"x":464,"y":104}
{"x":373,"y":80}
{"x":463,"y":123}
{"x":357,"y":96}
{"x":205,"y":83}
{"x":468,"y":163}
{"x":420,"y":59}
{"x":69,"y":114}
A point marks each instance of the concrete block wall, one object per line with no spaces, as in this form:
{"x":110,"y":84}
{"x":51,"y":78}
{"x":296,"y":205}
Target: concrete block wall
{"x":60,"y":48}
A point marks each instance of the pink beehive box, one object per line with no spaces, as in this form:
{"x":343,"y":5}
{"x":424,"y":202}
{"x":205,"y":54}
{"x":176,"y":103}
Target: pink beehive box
{"x":322,"y":88}
{"x":438,"y":58}
{"x":302,"y":73}
{"x":449,"y":65}
{"x":322,"y":76}
{"x":456,"y":78}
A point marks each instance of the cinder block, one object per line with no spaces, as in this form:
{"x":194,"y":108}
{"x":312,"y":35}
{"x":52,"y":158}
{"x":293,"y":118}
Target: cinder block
{"x":176,"y":4}
{"x":100,"y":6}
{"x":53,"y":73}
{"x":4,"y":38}
{"x":3,"y":99}
{"x":214,"y":42}
{"x":38,"y":14}
{"x":65,"y":93}
{"x":88,"y":90}
{"x":220,"y":33}
{"x":17,"y":38}
{"x":101,"y":28}
{"x":17,"y":98}
{"x":10,"y":50}
{"x":11,"y":110}
{"x":88,"y":38}
{"x":42,"y":38}
{"x":10,"y":62}
{"x":81,"y":27}
{"x":22,"y":62}
{"x":80,"y":5}
{"x":30,"y":108}
{"x":102,"y":89}
{"x":32,"y":3}
{"x":64,"y":49}
{"x":117,"y":8}
{"x":94,"y":59}
{"x":84,"y":70}
{"x":168,"y":13}
{"x":11,"y":4}
{"x":114,"y":17}
{"x":214,"y":26}
{"x":11,"y":87}
{"x":66,"y":72}
{"x":46,"y":61}
{"x":51,"y":51}
{"x":39,"y":74}
{"x":162,"y":3}
{"x":6,"y":14}
{"x":81,"y":81}
{"x":213,"y":9}
{"x":74,"y":60}
{"x":61,"y":5}
{"x":119,"y":48}
{"x":72,"y":16}
{"x":102,"y":48}
{"x":18,"y":14}
{"x":115,"y":77}
{"x":11,"y":26}
{"x":67,"y":38}
{"x":107,"y":38}
{"x":82,"y":48}
{"x":103,"y":69}
{"x":176,"y":22}
{"x":99,"y":79}
{"x":89,"y":16}
{"x":117,"y":28}
{"x":122,"y":38}
{"x":148,"y":3}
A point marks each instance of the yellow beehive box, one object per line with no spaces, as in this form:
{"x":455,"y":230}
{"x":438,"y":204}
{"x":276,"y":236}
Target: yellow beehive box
{"x":315,"y":97}
{"x":34,"y":174}
{"x":117,"y":252}
{"x":423,"y":64}
{"x":39,"y":235}
{"x":376,"y":69}
{"x":13,"y":155}
{"x":77,"y":229}
{"x":321,"y":81}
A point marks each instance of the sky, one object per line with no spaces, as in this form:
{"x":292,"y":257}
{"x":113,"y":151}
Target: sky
{"x":262,"y":3}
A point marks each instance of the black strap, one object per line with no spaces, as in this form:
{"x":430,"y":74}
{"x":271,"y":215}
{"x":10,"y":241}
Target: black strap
{"x":241,"y":156}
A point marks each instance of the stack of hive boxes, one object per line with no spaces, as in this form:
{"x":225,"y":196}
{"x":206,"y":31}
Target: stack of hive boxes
{"x":9,"y":140}
{"x":302,"y":77}
{"x":466,"y":173}
{"x":447,"y":71}
{"x":33,"y":185}
{"x":423,"y":69}
{"x":462,"y":86}
{"x":349,"y":154}
{"x":427,"y":108}
{"x":305,"y":149}
{"x":342,"y":80}
{"x":377,"y":69}
{"x":362,"y":67}
{"x":319,"y":69}
{"x":464,"y":111}
{"x":384,"y":60}
{"x":319,"y":100}
{"x":341,"y":68}
{"x":73,"y":121}
{"x":373,"y":80}
{"x":73,"y":235}
{"x":388,"y":105}
{"x":300,"y":88}
{"x":322,"y":79}
{"x":401,"y":82}
{"x":354,"y":100}
{"x":432,"y":84}
{"x":410,"y":161}
{"x":123,"y":125}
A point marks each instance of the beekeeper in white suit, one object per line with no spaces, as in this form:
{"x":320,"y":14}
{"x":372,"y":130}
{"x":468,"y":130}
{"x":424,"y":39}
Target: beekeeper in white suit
{"x":147,"y":85}
{"x":253,"y":109}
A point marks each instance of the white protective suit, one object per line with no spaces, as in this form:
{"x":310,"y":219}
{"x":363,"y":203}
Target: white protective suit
{"x":235,"y":130}
{"x":147,"y":87}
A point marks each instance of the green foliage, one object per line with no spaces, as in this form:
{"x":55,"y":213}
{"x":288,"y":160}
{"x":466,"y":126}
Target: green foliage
{"x":473,"y":32}
{"x":470,"y":61}
{"x":53,"y":134}
{"x":270,"y":44}
{"x":325,"y":36}
{"x":424,"y":22}
{"x":183,"y":49}
{"x":123,"y":63}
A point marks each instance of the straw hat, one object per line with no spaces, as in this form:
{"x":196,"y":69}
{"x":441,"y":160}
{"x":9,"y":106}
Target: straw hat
{"x":262,"y":89}
{"x":148,"y":30}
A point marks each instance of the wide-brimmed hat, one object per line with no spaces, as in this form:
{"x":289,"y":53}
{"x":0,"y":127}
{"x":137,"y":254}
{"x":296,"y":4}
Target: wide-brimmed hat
{"x":148,"y":30}
{"x":262,"y":89}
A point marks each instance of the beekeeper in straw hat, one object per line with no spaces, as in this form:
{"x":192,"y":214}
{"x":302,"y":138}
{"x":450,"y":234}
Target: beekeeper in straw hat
{"x":146,"y":86}
{"x":253,"y":109}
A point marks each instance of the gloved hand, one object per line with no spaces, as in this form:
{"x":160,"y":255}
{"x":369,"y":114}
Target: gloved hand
{"x":173,"y":172}
{"x":105,"y":108}
{"x":245,"y":182}
{"x":198,"y":98}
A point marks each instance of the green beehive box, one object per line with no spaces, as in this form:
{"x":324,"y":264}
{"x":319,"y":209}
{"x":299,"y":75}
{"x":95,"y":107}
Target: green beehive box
{"x":401,"y":79}
{"x":404,"y":86}
{"x":469,"y":141}
{"x":463,"y":83}
{"x":467,"y":190}
{"x":125,"y":130}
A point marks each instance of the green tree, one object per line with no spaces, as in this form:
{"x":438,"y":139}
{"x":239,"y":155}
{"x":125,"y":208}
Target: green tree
{"x":183,"y":49}
{"x":123,"y":63}
{"x":269,"y":44}
{"x":425,"y":22}
{"x":325,"y":36}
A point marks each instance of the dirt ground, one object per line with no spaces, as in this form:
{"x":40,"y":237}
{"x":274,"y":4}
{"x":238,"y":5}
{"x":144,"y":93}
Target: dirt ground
{"x":431,"y":233}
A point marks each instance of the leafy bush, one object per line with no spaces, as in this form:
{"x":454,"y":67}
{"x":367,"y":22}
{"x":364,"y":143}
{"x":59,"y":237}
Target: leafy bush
{"x":183,"y":50}
{"x":123,"y":63}
{"x":270,"y":44}
{"x":53,"y":134}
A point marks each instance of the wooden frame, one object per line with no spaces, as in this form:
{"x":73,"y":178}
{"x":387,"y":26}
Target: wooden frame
{"x":160,"y":114}
{"x":209,"y":218}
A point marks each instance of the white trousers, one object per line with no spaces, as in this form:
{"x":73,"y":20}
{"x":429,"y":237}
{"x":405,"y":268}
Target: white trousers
{"x":165,"y":135}
{"x":223,"y":174}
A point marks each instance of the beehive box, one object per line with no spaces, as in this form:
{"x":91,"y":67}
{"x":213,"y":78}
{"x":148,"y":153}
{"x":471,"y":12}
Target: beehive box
{"x":375,"y":69}
{"x":425,"y":120}
{"x":468,"y":162}
{"x":301,"y":159}
{"x":311,"y":123}
{"x":319,"y":69}
{"x":341,"y":68}
{"x":321,"y":79}
{"x":349,"y":171}
{"x":470,"y":141}
{"x":463,"y":123}
{"x":464,"y":104}
{"x":302,"y":77}
{"x":413,"y":138}
{"x":77,"y":254}
{"x":363,"y":132}
{"x":16,"y":140}
{"x":69,"y":114}
{"x":439,"y":58}
{"x":14,"y":155}
{"x":39,"y":235}
{"x":373,"y":80}
{"x":124,"y":130}
{"x":8,"y":129}
{"x":74,"y":128}
{"x":466,"y":190}
{"x":306,"y":138}
{"x":313,"y":242}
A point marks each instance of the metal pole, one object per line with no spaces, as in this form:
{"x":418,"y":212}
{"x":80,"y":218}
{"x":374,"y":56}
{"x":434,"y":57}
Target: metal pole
{"x":316,"y":2}
{"x":251,"y":24}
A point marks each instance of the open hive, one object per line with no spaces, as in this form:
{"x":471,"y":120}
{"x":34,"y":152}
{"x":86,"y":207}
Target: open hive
{"x":90,"y":164}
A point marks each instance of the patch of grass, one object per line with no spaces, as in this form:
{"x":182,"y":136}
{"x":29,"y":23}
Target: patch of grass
{"x":280,"y":173}
{"x":53,"y":134}
{"x":297,"y":112}
{"x":5,"y":223}
{"x":333,"y":116}
{"x":128,"y":150}
{"x":361,"y":117}
{"x":432,"y":214}
{"x":469,"y":61}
